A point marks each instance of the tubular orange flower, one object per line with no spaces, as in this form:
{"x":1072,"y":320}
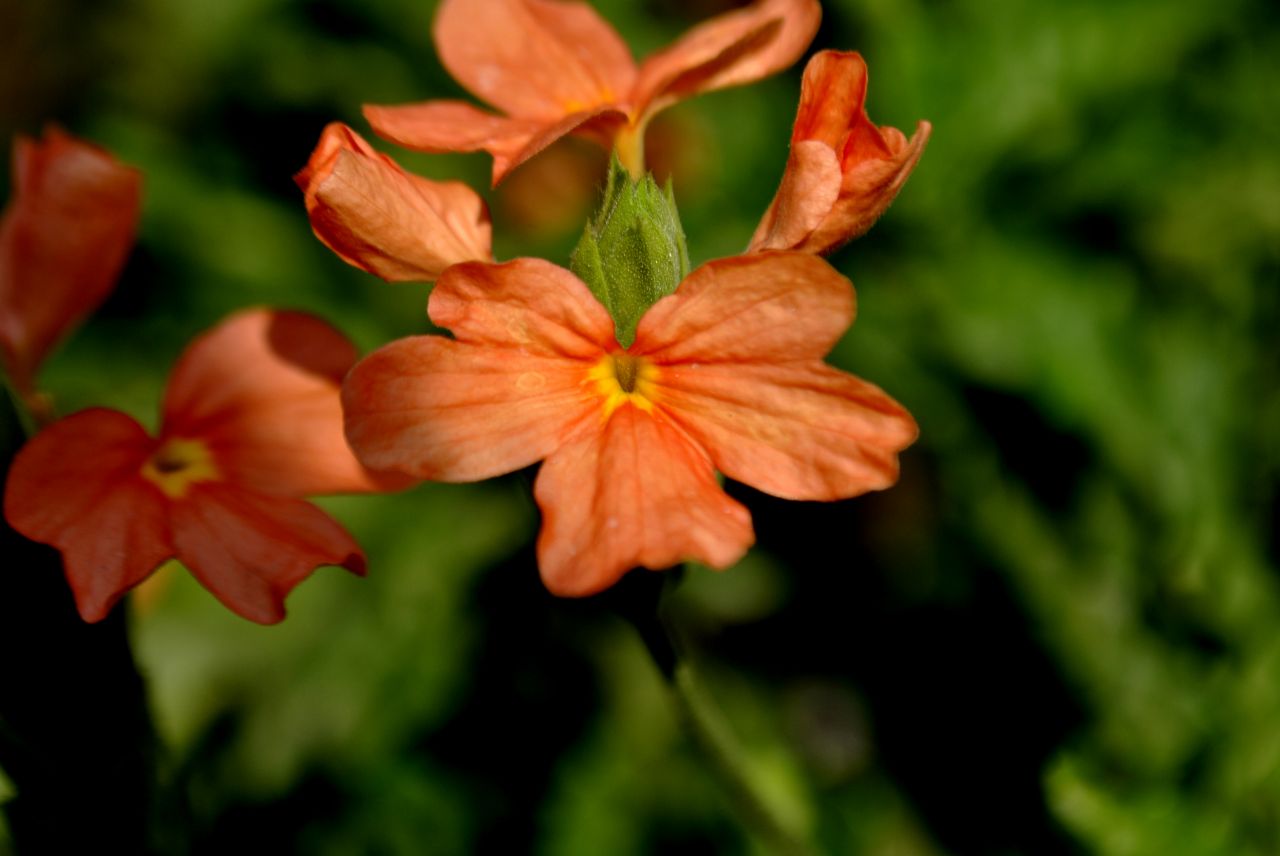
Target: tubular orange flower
{"x":251,"y":423}
{"x":556,"y":67}
{"x":726,"y":374}
{"x":843,"y":171}
{"x":63,"y":240}
{"x":381,"y":219}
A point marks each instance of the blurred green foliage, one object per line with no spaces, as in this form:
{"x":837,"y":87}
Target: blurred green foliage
{"x":1059,"y":633}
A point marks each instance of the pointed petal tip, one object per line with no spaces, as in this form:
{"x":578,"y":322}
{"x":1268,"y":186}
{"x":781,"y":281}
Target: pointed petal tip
{"x":356,"y":563}
{"x":335,"y":137}
{"x":274,"y":608}
{"x":93,"y":608}
{"x":924,"y":129}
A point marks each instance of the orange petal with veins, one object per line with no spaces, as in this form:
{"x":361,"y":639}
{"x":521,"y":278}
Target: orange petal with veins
{"x":535,"y":59}
{"x":809,"y":190}
{"x":77,"y":486}
{"x":63,"y":240}
{"x":527,"y":306}
{"x":739,"y":348}
{"x":504,"y":394}
{"x":634,"y":492}
{"x":736,"y":47}
{"x":455,"y":411}
{"x":250,"y":549}
{"x":799,"y":430}
{"x":262,"y":391}
{"x":384,"y":220}
{"x":766,"y":307}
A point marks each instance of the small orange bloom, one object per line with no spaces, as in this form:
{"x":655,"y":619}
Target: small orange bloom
{"x":556,"y":68}
{"x":63,"y":240}
{"x":251,"y":423}
{"x":843,"y":171}
{"x":381,"y":219}
{"x":725,"y":374}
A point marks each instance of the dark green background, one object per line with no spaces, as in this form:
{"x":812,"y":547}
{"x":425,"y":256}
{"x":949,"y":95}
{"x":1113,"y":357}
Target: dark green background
{"x":1060,"y":633}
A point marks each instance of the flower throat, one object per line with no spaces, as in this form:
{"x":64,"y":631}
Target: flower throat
{"x":627,"y":371}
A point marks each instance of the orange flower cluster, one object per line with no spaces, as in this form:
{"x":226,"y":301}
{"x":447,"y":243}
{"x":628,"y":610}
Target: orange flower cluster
{"x":725,"y":374}
{"x":251,"y":420}
{"x":842,"y":173}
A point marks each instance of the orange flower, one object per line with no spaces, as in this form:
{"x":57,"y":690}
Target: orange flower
{"x":63,"y":240}
{"x":726,"y":374}
{"x":381,"y":219}
{"x":843,"y":171}
{"x":556,"y":68}
{"x":251,"y":423}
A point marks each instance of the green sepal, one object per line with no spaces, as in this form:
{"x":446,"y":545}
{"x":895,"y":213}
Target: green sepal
{"x":633,"y":253}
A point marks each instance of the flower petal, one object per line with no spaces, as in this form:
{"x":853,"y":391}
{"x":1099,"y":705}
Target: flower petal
{"x":453,"y":411}
{"x":262,"y":390}
{"x":810,"y":187}
{"x":381,"y":219}
{"x":728,"y":50}
{"x":767,"y":306}
{"x":867,"y":190}
{"x":795,"y":430}
{"x":77,"y":486}
{"x":528,"y":306}
{"x":832,"y":94}
{"x":539,"y":59}
{"x":636,"y":492}
{"x":454,"y":126}
{"x":63,"y":240}
{"x":250,"y":549}
{"x":506,"y":393}
{"x":832,"y":125}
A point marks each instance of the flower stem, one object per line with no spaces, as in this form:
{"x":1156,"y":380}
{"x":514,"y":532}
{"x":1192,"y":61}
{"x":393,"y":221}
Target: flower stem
{"x":19,"y":419}
{"x":629,"y":146}
{"x":710,"y":729}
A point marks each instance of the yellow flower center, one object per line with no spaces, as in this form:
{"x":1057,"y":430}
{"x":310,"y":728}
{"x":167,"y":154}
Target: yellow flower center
{"x":179,"y":464}
{"x":623,"y":379}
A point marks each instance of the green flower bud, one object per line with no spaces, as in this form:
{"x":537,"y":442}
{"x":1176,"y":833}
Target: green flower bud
{"x":633,"y":253}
